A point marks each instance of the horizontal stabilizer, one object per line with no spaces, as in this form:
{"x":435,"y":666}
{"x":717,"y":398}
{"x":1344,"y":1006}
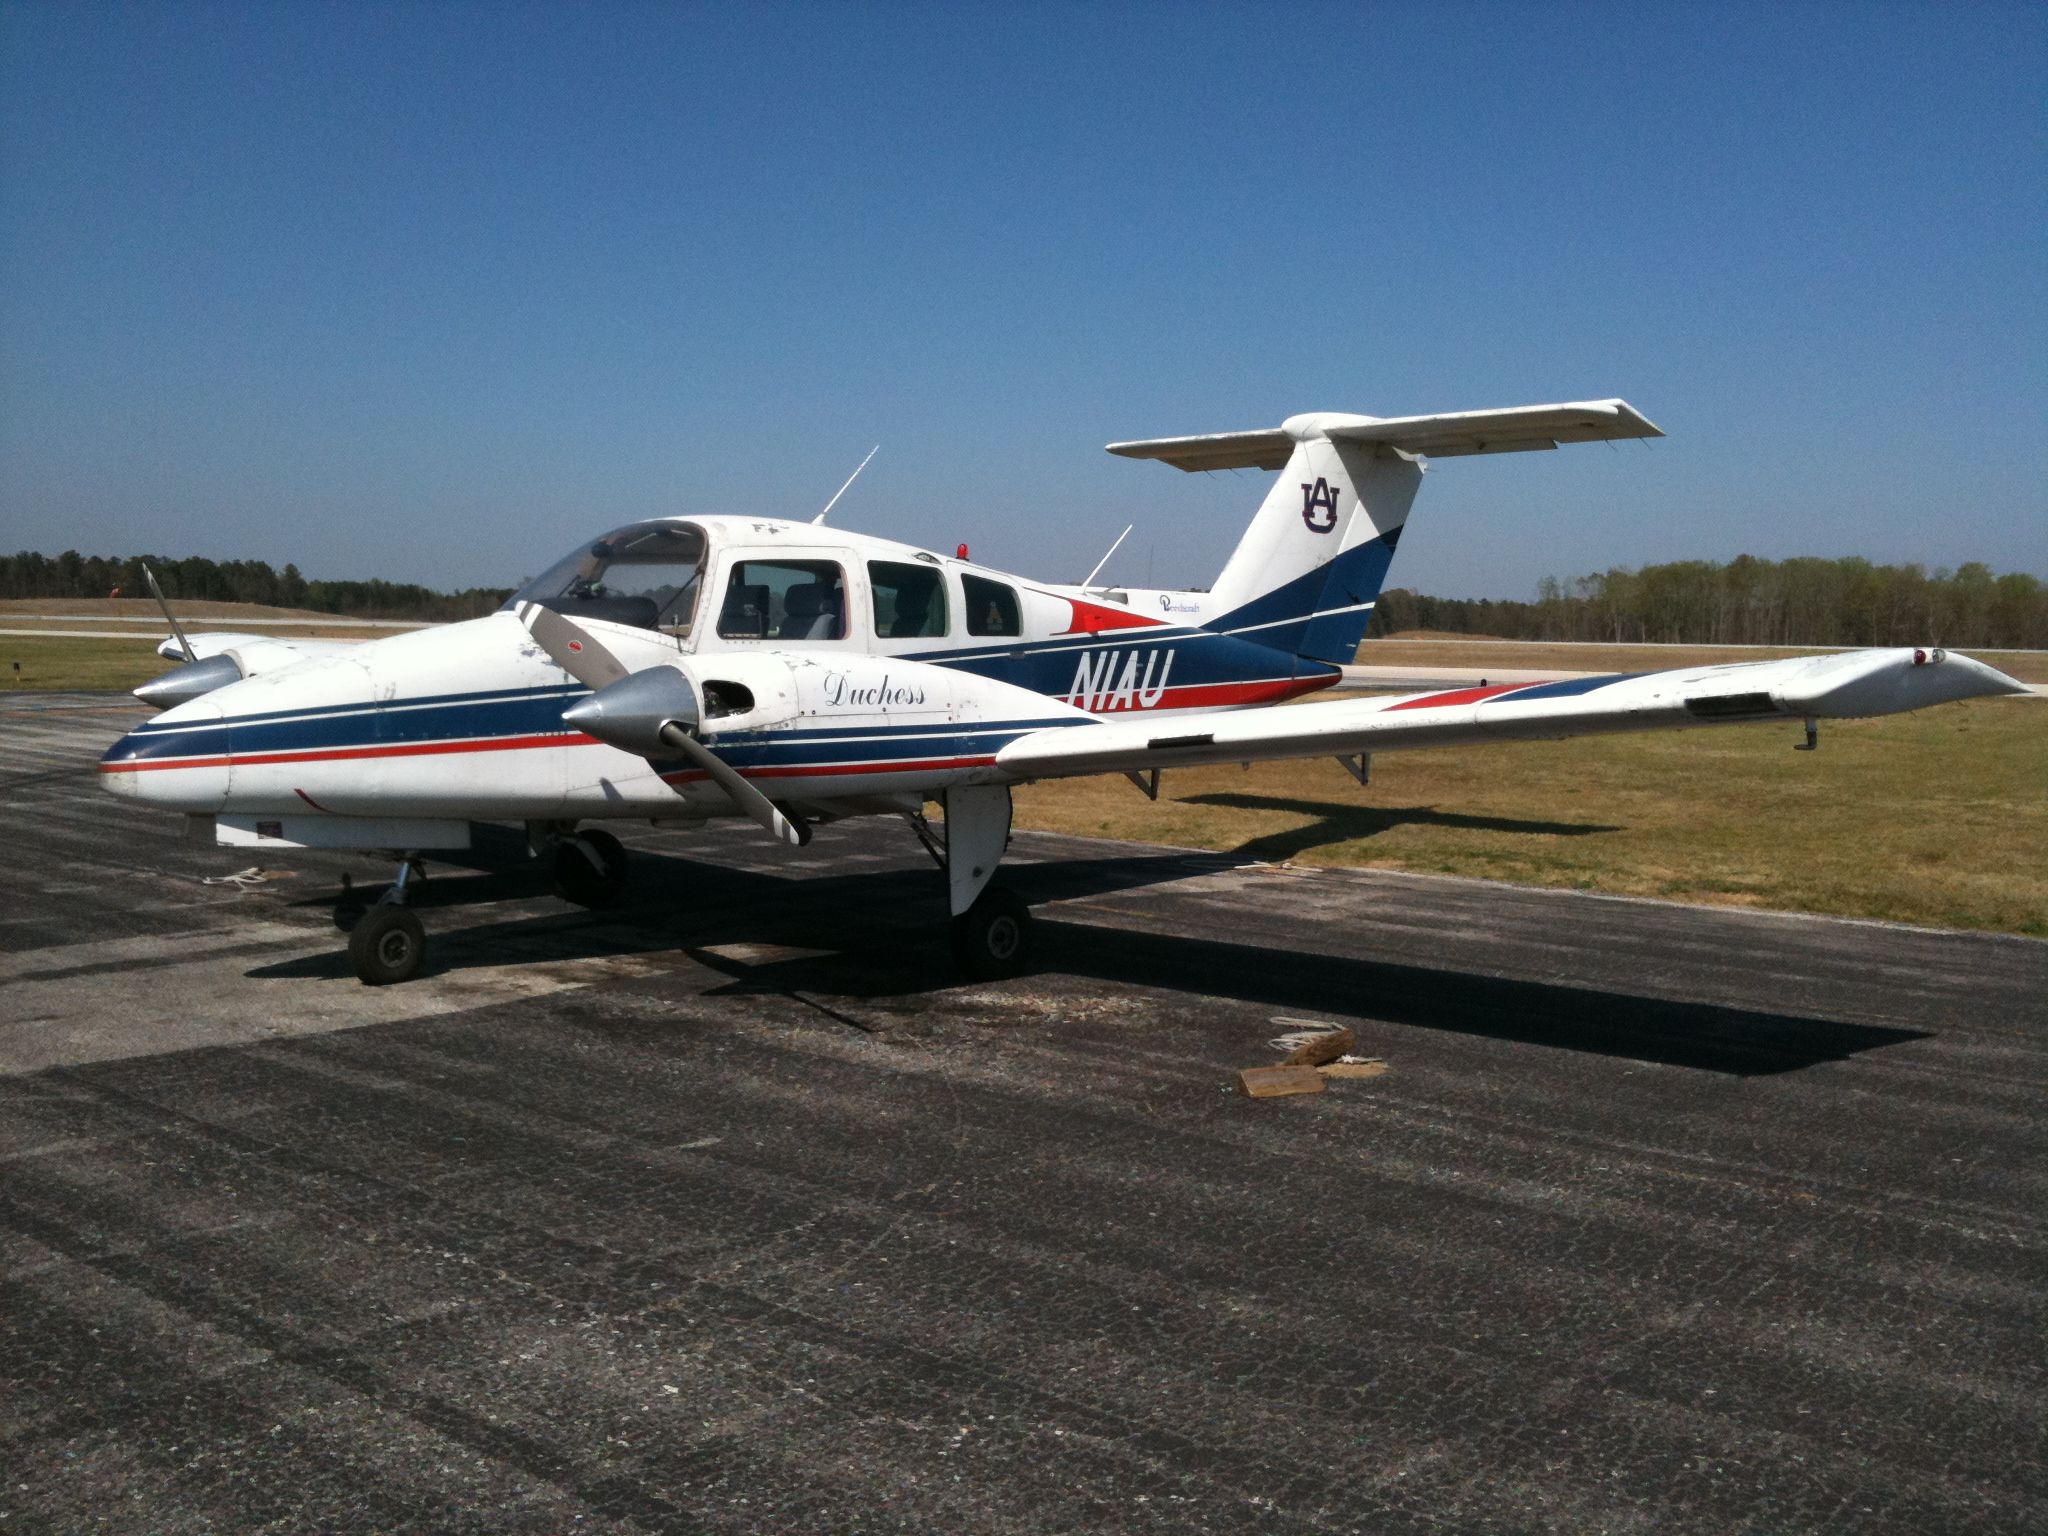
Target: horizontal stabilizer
{"x":1512,"y":429}
{"x":1219,"y":450}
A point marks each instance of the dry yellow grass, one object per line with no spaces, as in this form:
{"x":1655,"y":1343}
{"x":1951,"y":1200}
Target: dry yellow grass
{"x":146,"y":608}
{"x":90,"y":644}
{"x":1939,"y":817}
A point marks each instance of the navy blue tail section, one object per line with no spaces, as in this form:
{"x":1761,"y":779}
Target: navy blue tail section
{"x":1321,"y":614}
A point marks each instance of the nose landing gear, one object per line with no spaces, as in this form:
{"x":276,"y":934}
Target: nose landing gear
{"x":386,"y":943}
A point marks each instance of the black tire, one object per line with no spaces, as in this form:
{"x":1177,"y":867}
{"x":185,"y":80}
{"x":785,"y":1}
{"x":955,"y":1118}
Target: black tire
{"x":590,"y":868}
{"x":387,"y":946}
{"x":992,"y":938}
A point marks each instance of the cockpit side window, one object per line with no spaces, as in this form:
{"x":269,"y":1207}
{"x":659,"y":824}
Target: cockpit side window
{"x":646,"y":575}
{"x":784,"y":600}
{"x":910,"y":600}
{"x":992,"y":607}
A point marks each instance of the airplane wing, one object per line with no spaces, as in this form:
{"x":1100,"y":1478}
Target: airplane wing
{"x":1848,"y":685}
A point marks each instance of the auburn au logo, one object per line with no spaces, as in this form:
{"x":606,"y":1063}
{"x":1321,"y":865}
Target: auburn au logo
{"x":1319,"y":505}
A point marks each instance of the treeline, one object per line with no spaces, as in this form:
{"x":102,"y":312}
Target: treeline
{"x":236,"y":581}
{"x":1752,"y":602}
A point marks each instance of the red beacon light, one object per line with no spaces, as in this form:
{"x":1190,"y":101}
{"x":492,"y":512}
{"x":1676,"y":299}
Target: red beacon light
{"x":960,"y":553}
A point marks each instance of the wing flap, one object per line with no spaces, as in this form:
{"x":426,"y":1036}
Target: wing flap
{"x":1852,"y":684}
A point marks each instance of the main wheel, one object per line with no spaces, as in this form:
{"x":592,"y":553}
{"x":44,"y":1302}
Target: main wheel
{"x":387,"y":945}
{"x":992,"y":938}
{"x":590,"y":868}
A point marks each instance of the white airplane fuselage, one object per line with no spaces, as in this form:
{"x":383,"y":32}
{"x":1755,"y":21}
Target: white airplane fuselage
{"x":464,"y":720}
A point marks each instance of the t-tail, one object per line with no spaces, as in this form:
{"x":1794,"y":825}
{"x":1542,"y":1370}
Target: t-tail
{"x":1310,"y":567}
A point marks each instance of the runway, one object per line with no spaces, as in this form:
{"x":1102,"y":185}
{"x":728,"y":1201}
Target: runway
{"x":728,"y":1210}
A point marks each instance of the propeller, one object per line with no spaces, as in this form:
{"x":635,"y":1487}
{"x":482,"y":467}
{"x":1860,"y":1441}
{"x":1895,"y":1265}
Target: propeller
{"x":171,"y":618}
{"x":644,"y":711}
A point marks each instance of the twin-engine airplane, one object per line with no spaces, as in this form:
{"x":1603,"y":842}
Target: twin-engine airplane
{"x":691,"y":667}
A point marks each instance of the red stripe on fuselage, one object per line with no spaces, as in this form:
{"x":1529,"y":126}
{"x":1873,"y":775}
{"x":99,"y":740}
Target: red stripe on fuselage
{"x":830,"y":770}
{"x":340,"y":754}
{"x":1095,"y":619}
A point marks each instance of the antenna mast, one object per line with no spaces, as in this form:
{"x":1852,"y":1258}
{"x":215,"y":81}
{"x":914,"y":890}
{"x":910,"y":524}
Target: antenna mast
{"x":1112,"y":550}
{"x":863,"y":464}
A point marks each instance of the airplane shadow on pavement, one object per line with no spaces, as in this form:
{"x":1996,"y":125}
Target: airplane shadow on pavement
{"x":1338,"y":822}
{"x":874,"y":936}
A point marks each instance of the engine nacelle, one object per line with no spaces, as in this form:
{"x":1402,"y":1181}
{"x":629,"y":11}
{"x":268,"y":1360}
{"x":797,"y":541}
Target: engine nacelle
{"x":706,"y":698}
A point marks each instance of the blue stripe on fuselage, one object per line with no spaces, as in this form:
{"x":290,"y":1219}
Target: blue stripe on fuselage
{"x":1166,"y":657}
{"x":1302,"y":616}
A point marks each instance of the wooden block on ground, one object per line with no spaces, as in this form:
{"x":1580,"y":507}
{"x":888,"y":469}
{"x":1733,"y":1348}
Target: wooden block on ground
{"x":1326,"y":1047}
{"x":1277,"y":1082}
{"x":1352,"y":1068}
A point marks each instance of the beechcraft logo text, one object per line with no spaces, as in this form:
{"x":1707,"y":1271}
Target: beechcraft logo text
{"x":1319,"y":505}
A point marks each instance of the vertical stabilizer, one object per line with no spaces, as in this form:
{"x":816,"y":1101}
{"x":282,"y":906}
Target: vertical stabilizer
{"x":1306,"y":574}
{"x":1308,"y":570}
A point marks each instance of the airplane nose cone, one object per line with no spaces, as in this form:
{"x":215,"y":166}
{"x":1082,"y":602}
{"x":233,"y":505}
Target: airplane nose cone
{"x":178,"y":761}
{"x":181,"y":685}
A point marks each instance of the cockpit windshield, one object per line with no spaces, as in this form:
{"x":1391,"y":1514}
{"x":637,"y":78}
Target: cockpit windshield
{"x":645,"y":574}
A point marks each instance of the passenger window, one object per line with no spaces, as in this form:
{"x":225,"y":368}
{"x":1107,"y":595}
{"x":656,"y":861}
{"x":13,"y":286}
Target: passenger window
{"x":992,"y":607}
{"x":784,"y":600}
{"x":910,"y":600}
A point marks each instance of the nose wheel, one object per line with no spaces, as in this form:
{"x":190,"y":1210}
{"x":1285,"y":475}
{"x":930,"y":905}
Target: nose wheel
{"x":386,"y":943}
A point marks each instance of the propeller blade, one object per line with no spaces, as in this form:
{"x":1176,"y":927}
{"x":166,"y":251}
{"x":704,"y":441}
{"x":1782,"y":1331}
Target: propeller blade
{"x":744,"y":795}
{"x":571,"y":647}
{"x":171,"y":618}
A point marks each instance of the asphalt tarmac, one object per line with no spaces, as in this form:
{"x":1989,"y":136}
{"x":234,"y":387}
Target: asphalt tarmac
{"x":728,"y":1210}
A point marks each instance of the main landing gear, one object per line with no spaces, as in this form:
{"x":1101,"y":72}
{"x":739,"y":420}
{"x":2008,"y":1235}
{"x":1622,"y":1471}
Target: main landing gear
{"x":992,"y":938}
{"x":991,"y":924}
{"x":590,"y":868}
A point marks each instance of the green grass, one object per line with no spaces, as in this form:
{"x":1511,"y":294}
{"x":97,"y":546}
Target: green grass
{"x":66,"y":664}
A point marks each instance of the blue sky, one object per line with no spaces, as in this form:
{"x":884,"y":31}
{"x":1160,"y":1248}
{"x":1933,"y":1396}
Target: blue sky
{"x":432,"y":291}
